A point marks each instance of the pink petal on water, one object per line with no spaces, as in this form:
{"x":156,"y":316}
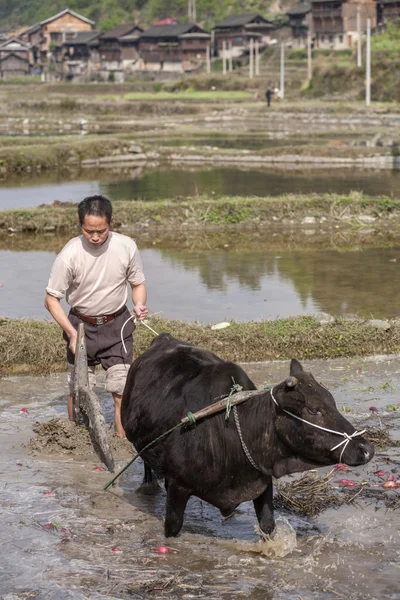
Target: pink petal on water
{"x":161,"y":549}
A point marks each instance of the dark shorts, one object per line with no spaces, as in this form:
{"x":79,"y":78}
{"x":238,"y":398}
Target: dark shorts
{"x":103,"y":342}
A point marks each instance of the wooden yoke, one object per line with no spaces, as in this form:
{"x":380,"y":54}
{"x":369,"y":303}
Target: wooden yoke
{"x":221,"y":405}
{"x":85,"y":401}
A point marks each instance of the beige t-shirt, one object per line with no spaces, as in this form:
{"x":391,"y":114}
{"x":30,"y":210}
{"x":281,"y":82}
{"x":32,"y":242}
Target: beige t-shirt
{"x":94,"y":280}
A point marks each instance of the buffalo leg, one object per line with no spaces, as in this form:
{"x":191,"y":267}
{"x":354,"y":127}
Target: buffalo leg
{"x":265,"y":510}
{"x":149,"y":484}
{"x":177,"y":498}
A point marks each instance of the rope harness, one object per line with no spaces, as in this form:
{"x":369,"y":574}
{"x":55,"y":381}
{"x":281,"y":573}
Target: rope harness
{"x":191,"y":419}
{"x":347,"y":438}
{"x":134,"y":320}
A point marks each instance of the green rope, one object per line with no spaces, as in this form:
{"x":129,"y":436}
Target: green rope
{"x":192,"y":420}
{"x":235,"y":388}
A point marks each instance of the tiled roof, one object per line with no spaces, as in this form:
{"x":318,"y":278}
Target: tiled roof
{"x":302,"y":8}
{"x":156,"y":31}
{"x":64,"y":12}
{"x":83,"y":37}
{"x":237,"y":20}
{"x":118,"y":31}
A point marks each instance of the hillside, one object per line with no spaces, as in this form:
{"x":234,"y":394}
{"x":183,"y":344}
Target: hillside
{"x":108,"y":13}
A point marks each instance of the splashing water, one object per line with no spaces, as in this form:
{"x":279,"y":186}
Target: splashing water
{"x":279,"y":544}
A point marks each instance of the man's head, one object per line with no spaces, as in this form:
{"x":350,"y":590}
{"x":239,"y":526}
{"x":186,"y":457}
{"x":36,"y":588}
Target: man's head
{"x":95,"y":219}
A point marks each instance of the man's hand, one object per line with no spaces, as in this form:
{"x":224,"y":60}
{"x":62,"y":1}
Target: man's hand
{"x":72,"y":341}
{"x":141,"y":311}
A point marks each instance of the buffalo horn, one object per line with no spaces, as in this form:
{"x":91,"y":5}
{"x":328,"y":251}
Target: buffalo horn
{"x":291,"y":382}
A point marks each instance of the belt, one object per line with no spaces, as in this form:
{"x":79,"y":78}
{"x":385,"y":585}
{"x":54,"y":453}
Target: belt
{"x":98,"y":320}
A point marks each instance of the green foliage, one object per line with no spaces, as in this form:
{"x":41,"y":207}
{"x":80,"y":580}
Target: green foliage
{"x":109,"y":13}
{"x":387,"y":44}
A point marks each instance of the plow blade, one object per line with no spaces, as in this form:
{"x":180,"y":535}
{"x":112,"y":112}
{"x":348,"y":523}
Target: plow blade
{"x":86,"y":405}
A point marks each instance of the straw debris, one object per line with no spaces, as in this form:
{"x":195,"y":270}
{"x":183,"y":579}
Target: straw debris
{"x":308,"y":495}
{"x":379,"y":437}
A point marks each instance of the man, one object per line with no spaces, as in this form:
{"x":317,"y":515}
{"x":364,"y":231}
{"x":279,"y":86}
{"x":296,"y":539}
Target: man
{"x":268,"y":95}
{"x":93,"y":270}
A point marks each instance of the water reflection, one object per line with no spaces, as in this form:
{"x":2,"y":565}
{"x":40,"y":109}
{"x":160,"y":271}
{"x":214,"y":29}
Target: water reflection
{"x":213,"y":285}
{"x":140,"y":183}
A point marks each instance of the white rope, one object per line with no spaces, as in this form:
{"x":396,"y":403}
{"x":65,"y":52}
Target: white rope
{"x":134,"y":320}
{"x":347,"y":438}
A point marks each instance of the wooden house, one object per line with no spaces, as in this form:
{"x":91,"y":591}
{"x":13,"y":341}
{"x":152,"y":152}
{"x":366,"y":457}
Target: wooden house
{"x":61,"y":28}
{"x":119,"y":44}
{"x":33,"y":35}
{"x":387,"y":11}
{"x":181,"y":47}
{"x":15,"y":58}
{"x":334,"y":22}
{"x":237,"y":30}
{"x":300,"y":21}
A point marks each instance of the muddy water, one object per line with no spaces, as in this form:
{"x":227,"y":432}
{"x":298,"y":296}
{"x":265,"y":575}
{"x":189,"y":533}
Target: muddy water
{"x":78,"y":542}
{"x":170,"y":182}
{"x":238,"y":284}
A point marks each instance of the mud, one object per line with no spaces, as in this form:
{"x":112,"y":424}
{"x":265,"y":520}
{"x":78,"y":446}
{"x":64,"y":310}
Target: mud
{"x":59,"y":436}
{"x":65,"y":538}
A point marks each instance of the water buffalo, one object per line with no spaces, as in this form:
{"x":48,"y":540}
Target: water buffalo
{"x":208,"y":460}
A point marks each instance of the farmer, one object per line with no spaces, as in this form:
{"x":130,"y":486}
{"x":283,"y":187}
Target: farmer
{"x":93,"y":270}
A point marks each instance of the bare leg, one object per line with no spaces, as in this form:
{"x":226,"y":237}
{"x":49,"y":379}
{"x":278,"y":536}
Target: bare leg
{"x":117,"y":415}
{"x":70,"y":408}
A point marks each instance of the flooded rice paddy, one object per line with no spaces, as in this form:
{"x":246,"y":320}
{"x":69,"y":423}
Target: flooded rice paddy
{"x":161,"y":182}
{"x":65,"y":538}
{"x":211,"y":285}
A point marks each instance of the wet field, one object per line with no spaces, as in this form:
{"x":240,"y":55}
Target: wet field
{"x":162,"y":182}
{"x":64,"y":538}
{"x":241,"y":283}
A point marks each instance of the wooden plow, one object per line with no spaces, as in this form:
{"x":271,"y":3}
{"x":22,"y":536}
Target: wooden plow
{"x":86,"y":405}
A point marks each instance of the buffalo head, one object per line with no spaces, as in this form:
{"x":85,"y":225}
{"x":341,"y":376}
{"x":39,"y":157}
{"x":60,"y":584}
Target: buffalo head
{"x":305,"y":411}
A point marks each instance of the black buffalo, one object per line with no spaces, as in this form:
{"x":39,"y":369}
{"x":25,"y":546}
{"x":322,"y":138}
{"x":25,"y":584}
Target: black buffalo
{"x":173,"y":377}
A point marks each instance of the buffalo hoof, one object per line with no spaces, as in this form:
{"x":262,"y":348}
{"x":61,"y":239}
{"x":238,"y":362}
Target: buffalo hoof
{"x":148,"y":489}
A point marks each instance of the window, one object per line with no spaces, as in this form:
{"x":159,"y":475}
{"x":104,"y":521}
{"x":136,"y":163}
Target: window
{"x":341,"y":39}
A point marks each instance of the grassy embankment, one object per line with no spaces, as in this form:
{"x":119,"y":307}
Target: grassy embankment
{"x":336,"y":73}
{"x":37,"y":346}
{"x":67,"y":154}
{"x":203,"y":212}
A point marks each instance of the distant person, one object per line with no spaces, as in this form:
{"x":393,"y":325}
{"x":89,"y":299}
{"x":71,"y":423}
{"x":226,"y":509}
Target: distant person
{"x":93,"y":271}
{"x":268,"y":95}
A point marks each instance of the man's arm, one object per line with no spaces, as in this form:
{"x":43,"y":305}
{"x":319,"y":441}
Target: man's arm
{"x":139,"y":296}
{"x":54,"y":307}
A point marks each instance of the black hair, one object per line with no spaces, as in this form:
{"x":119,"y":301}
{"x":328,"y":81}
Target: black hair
{"x":98,"y":206}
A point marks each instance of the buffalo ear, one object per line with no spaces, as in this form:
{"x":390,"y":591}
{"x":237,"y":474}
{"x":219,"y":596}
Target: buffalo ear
{"x":295,"y":367}
{"x":292,"y":402}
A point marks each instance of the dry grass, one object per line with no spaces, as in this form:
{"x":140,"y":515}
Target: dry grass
{"x":201,"y":213}
{"x":379,"y":437}
{"x":308,"y":495}
{"x":37,"y":346}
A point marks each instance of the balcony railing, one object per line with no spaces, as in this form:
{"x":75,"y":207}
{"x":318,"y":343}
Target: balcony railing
{"x":326,"y":12}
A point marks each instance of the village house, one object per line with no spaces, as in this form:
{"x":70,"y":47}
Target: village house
{"x":331,"y":23}
{"x":59,"y":29}
{"x":300,"y":21}
{"x":33,"y":35}
{"x":388,"y":11}
{"x":15,"y":58}
{"x":117,"y":48}
{"x":334,"y":22}
{"x":237,"y":31}
{"x":78,"y":53}
{"x":180,"y":48}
